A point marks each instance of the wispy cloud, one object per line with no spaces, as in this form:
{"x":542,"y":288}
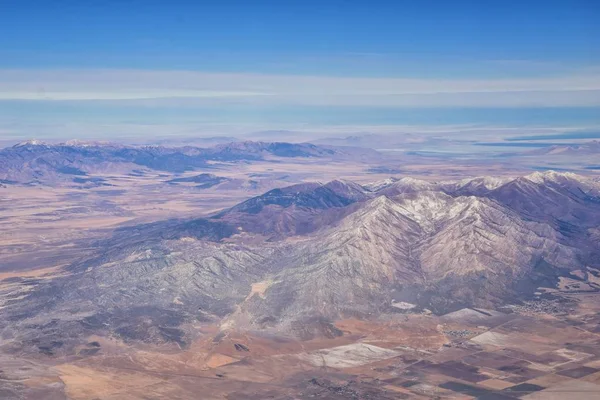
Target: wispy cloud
{"x":125,"y":94}
{"x":574,"y":89}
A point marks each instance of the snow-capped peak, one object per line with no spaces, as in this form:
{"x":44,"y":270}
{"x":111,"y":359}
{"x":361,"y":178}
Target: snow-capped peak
{"x":489,"y":182}
{"x":378,"y":185}
{"x":413,"y":184}
{"x":32,"y":142}
{"x":551,"y":176}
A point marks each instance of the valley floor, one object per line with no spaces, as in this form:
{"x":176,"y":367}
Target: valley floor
{"x":531,"y":352}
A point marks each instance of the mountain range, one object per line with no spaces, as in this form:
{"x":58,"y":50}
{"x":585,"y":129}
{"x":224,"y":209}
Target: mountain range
{"x":587,"y":148}
{"x":78,"y":162}
{"x":296,"y":259}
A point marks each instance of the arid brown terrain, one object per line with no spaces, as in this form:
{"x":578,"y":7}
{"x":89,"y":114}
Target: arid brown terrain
{"x":298,"y":277}
{"x":539,"y":351}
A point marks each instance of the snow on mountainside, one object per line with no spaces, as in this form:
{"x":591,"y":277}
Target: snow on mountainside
{"x":552,"y":176}
{"x":393,"y":186}
{"x":32,"y":142}
{"x":348,"y":269}
{"x":576,"y":184}
{"x":474,"y":186}
{"x":406,"y":185}
{"x":377,"y":186}
{"x":485,"y":237}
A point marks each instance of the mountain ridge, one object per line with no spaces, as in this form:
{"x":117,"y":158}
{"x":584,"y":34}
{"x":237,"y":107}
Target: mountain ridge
{"x":432,"y":247}
{"x":38,"y":162}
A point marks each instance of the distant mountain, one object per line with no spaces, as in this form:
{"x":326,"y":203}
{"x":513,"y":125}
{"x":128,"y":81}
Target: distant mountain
{"x":196,"y":141}
{"x":395,"y":140}
{"x":368,"y":140}
{"x":77,"y":162}
{"x":588,"y":148}
{"x":280,"y":135}
{"x":250,"y":149}
{"x":326,"y":251}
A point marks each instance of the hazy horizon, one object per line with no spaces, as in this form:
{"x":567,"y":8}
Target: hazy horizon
{"x":141,"y":69}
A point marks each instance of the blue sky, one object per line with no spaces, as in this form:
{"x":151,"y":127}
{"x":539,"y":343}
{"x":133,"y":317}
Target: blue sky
{"x":276,"y":64}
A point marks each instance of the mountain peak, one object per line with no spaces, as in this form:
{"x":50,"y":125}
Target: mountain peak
{"x":489,"y":182}
{"x":408,"y":185}
{"x":380,"y":202}
{"x":408,"y":180}
{"x":31,"y":142}
{"x":378,"y":185}
{"x":347,"y":189}
{"x":551,"y":176}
